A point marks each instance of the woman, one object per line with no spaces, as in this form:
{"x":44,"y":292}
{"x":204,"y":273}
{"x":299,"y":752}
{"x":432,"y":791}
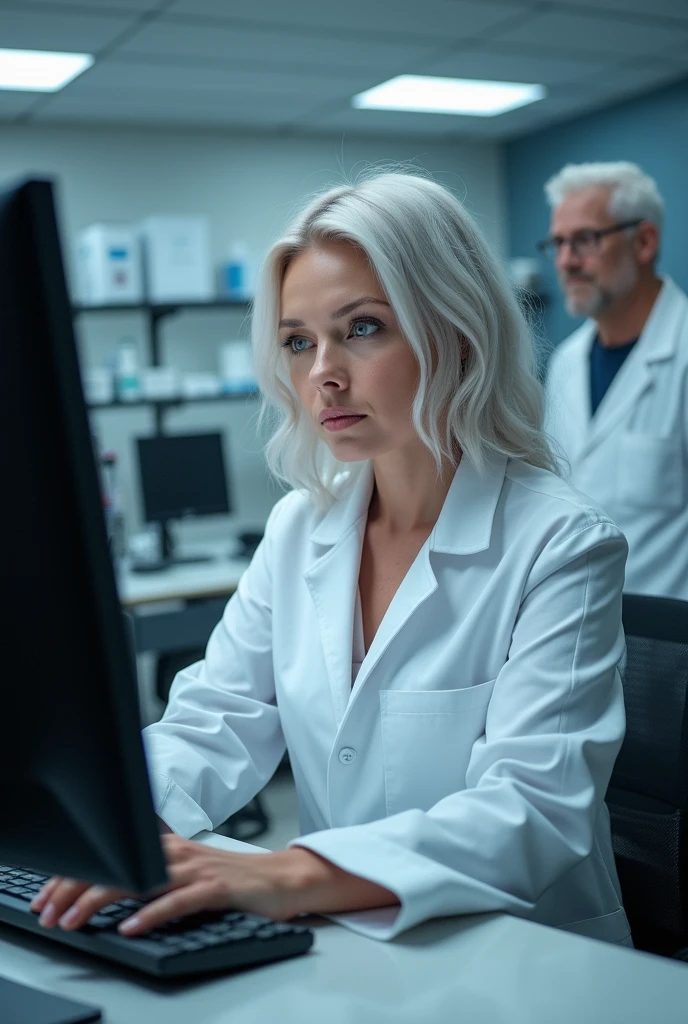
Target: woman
{"x":434,"y":634}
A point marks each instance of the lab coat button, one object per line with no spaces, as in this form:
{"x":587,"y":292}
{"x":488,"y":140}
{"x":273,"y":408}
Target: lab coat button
{"x":347,"y":755}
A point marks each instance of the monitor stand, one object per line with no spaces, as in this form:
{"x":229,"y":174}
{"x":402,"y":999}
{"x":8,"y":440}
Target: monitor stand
{"x":168,"y":558}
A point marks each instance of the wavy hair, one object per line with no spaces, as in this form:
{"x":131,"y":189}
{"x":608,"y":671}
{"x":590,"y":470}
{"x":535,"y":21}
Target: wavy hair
{"x":448,"y":292}
{"x":633,"y":194}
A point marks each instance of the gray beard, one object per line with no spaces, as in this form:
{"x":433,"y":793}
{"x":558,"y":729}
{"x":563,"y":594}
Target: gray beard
{"x":597,"y":303}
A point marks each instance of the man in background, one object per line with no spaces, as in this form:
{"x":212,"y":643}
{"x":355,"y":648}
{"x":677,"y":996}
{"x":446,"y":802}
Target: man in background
{"x":617,"y":388}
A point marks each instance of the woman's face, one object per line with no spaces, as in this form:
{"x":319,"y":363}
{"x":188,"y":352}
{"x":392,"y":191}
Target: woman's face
{"x":353,"y":371}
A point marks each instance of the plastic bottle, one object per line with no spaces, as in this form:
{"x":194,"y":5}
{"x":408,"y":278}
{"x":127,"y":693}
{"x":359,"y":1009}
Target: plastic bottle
{"x":237,"y":278}
{"x":127,"y":374}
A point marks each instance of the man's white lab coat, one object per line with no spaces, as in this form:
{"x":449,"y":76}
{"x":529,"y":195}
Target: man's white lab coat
{"x":632,"y":456}
{"x":466,"y":770}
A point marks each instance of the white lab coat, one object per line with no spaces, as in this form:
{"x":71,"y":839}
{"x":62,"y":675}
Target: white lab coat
{"x":467,"y":769}
{"x":632,"y":456}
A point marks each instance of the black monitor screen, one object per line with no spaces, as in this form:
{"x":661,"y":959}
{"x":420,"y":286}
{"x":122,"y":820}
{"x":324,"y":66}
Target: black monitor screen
{"x":182,"y":475}
{"x":74,"y":795}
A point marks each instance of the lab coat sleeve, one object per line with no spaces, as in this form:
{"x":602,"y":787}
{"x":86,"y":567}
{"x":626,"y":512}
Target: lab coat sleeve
{"x":536,"y":779}
{"x":220,"y":738}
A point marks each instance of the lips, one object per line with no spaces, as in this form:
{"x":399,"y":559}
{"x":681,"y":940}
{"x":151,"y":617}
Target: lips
{"x":337,"y":412}
{"x":339,"y":418}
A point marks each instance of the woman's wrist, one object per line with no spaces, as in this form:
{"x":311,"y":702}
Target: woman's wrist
{"x":320,"y":887}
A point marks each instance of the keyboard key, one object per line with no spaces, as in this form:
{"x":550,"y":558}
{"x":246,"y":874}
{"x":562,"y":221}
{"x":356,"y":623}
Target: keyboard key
{"x":100,"y":921}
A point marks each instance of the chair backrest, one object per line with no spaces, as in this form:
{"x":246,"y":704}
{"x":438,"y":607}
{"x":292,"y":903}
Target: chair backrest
{"x":648,"y":792}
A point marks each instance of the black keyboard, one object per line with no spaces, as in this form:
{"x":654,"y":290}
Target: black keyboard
{"x":192,"y":945}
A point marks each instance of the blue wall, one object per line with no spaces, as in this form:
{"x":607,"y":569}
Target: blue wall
{"x":651,"y":130}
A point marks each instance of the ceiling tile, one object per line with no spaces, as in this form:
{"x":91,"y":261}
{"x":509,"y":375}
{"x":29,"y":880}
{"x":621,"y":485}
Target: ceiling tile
{"x":137,"y":6}
{"x":171,"y":108}
{"x":262,"y":47}
{"x":512,"y":65}
{"x":620,"y":82}
{"x":648,"y":8}
{"x":444,"y":19}
{"x":564,"y":33}
{"x":153,"y":77}
{"x":12,"y":103}
{"x":388,"y":122}
{"x":58,"y":30}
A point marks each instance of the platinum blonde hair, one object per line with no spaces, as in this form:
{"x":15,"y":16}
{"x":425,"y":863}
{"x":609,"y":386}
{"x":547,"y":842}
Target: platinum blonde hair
{"x":446,"y":289}
{"x":634,"y":194}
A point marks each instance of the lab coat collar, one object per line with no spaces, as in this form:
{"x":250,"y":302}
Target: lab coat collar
{"x":464,"y":526}
{"x":657,"y":342}
{"x":465,"y":522}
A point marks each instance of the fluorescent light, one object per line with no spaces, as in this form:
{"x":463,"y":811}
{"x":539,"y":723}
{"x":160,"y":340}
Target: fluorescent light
{"x":40,"y":70}
{"x":448,"y":95}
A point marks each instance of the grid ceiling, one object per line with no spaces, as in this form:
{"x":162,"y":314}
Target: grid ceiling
{"x":293,"y":68}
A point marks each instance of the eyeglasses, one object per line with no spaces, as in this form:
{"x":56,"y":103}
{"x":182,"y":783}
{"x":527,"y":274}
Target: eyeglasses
{"x":581,"y":243}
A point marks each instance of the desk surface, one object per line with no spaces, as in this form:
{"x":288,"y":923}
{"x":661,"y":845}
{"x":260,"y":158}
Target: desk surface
{"x":182,"y":582}
{"x":492,"y":969}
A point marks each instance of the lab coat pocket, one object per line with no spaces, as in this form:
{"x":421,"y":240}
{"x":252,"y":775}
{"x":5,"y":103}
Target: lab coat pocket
{"x":427,"y":739}
{"x":649,"y":471}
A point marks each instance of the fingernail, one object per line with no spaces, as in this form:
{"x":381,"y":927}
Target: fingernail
{"x":129,"y":925}
{"x":49,"y":915}
{"x":68,"y":918}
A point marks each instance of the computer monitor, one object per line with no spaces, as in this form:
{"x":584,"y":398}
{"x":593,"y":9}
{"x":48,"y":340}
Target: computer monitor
{"x":181,"y":476}
{"x":74,"y":793}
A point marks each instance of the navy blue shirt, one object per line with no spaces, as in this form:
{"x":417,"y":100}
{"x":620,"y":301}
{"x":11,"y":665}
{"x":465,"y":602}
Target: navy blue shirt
{"x":605,"y":363}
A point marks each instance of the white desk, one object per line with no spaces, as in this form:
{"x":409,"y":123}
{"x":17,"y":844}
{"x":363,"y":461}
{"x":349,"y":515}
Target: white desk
{"x":182,"y":582}
{"x":176,"y":609}
{"x":493,"y":969}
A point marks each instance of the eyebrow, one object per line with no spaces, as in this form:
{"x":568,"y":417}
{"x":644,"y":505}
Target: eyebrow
{"x":342,"y":311}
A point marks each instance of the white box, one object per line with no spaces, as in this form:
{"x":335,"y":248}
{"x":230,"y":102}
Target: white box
{"x":176,"y":259}
{"x":235,"y":359}
{"x":109,"y":265}
{"x":98,"y":384}
{"x":160,"y":382}
{"x":201,"y":384}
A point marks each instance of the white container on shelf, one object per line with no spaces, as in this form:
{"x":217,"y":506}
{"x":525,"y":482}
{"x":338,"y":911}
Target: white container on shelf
{"x":235,"y":361}
{"x":160,"y":382}
{"x":109,"y":265}
{"x":99,"y":385}
{"x":127,"y":374}
{"x":201,"y":385}
{"x":176,"y":259}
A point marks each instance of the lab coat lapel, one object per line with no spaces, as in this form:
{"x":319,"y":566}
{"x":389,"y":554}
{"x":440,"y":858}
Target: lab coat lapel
{"x":578,"y":412}
{"x":332,"y":580}
{"x":656,"y":342}
{"x":464,"y":527}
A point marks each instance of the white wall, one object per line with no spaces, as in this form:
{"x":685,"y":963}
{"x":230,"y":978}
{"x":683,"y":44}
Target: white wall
{"x":248,"y":187}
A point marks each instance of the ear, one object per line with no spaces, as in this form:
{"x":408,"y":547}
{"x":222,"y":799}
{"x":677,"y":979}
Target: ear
{"x":646,"y":243}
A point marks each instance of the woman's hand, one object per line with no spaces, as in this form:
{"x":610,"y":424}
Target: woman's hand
{"x":278,"y":885}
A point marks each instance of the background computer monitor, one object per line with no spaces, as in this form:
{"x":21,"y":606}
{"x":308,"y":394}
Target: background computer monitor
{"x":74,"y":793}
{"x":182,"y":475}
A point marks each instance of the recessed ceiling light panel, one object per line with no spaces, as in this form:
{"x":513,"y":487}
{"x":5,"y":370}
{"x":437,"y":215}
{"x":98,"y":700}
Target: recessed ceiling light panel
{"x":424,"y":94}
{"x":40,"y":70}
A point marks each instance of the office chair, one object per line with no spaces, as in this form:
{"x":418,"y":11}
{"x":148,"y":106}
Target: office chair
{"x":648,"y":791}
{"x":251,"y":821}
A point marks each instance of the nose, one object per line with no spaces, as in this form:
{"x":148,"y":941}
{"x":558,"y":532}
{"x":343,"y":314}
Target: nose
{"x":328,"y":372}
{"x":567,"y":257}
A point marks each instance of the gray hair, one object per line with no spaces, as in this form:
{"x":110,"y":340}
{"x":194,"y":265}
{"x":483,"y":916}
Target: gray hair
{"x":634,"y":194}
{"x":446,"y":288}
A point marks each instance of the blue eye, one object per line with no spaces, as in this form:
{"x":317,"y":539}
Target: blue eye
{"x":365,"y":328}
{"x":297,"y":344}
